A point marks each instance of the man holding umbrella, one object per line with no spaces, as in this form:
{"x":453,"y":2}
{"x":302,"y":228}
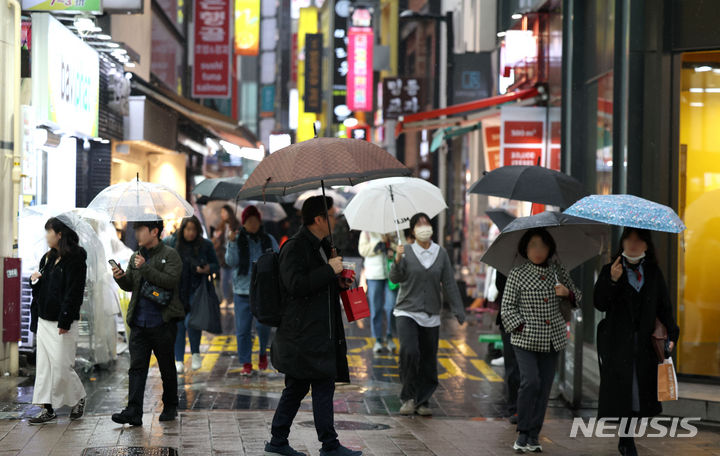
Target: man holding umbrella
{"x":310,"y":347}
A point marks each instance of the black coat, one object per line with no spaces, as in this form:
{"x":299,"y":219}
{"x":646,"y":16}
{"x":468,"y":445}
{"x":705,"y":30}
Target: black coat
{"x":628,"y":311}
{"x":310,"y":342}
{"x":58,"y":294}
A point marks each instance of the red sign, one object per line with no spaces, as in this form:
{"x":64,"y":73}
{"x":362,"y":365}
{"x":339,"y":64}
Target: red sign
{"x":11,"y":299}
{"x":517,"y":132}
{"x":555,"y":137}
{"x":360,"y":69}
{"x":492,"y":136}
{"x":527,"y":156}
{"x":360,"y":132}
{"x":212,"y":51}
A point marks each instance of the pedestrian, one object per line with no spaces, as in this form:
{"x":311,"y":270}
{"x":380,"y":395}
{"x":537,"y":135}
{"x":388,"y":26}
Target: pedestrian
{"x":633,"y":294}
{"x":153,"y":277}
{"x":228,"y":224}
{"x":424,"y":273}
{"x":310,"y":347}
{"x":512,"y":370}
{"x":58,"y":288}
{"x":531,"y":314}
{"x":375,"y":248}
{"x":245,"y":247}
{"x":199,"y":261}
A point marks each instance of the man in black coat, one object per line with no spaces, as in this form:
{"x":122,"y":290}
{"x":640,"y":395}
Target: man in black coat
{"x":309,"y":347}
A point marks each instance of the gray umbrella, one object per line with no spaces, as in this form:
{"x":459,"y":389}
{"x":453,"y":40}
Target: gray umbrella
{"x":577,"y":240}
{"x":218,"y":189}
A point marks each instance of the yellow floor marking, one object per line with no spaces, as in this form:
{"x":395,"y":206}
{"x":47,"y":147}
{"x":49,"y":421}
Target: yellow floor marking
{"x":453,"y":370}
{"x":445,"y":345}
{"x":369,"y":342}
{"x":386,"y":366}
{"x":486,"y":370}
{"x":208,"y":362}
{"x":355,"y":361}
{"x":391,"y":375}
{"x":465,"y":349}
{"x":153,"y":361}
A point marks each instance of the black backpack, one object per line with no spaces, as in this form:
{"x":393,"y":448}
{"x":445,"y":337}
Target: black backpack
{"x":267,"y":299}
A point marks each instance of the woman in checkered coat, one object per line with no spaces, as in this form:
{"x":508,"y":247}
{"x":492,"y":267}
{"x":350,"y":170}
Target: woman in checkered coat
{"x":531,"y":313}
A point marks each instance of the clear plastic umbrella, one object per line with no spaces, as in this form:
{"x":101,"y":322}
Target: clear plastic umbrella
{"x":138,"y":201}
{"x":339,"y":200}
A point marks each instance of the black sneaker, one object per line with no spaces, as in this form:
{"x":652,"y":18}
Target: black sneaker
{"x":127,"y":417}
{"x":513,"y":418}
{"x":533,"y":445}
{"x":44,"y":417}
{"x":521,"y":444}
{"x":78,"y":411}
{"x":341,"y":451}
{"x":168,"y":414}
{"x":287,"y":450}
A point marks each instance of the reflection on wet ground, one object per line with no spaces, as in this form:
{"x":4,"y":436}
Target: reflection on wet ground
{"x":469,"y":386}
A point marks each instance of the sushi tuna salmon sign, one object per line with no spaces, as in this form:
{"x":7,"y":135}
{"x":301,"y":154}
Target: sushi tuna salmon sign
{"x":211,"y":51}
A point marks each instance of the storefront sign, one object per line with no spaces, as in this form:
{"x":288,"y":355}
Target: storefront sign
{"x":491,"y":142}
{"x":66,"y":78}
{"x":360,"y":132}
{"x":247,"y":27}
{"x":62,"y":5}
{"x":313,"y":72}
{"x":527,"y":138}
{"x":211,"y":51}
{"x":401,"y":96}
{"x":472,"y":77}
{"x":340,"y":63}
{"x":360,"y":69}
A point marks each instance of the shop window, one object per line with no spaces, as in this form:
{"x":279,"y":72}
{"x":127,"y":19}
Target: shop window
{"x":699,"y":200}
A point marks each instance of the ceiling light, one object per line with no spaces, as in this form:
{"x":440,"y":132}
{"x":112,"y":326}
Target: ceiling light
{"x":712,"y":90}
{"x":501,"y":34}
{"x":103,"y":37}
{"x":130,"y":65}
{"x":696,"y":90}
{"x":350,"y":122}
{"x":702,"y":69}
{"x":697,"y":105}
{"x":112,"y":45}
{"x":84,"y":24}
{"x":516,"y":16}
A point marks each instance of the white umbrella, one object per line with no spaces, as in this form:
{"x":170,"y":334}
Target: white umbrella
{"x":386,"y":205}
{"x":138,"y":201}
{"x":339,"y":200}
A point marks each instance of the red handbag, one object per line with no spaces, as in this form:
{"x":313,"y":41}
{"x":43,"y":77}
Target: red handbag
{"x":355,"y":303}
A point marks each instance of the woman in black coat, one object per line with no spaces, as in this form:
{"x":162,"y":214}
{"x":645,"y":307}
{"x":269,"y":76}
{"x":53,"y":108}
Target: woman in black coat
{"x":632,"y":293}
{"x":58,"y":289}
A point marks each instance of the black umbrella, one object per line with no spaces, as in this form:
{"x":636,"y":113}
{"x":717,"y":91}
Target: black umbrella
{"x":500,"y":217}
{"x":535,"y":184}
{"x":218,"y":189}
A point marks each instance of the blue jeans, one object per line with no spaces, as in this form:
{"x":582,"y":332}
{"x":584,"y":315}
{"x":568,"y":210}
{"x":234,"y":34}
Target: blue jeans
{"x":193,"y":334}
{"x":226,"y":283}
{"x":243,"y":330}
{"x":382,"y":301}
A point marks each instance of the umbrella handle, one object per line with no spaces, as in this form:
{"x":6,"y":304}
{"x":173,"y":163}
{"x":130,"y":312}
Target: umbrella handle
{"x":397,"y":227}
{"x":327,"y":217}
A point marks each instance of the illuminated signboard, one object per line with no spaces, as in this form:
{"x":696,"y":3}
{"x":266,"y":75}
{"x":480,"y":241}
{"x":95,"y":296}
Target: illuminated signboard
{"x":247,"y":27}
{"x":360,"y":69}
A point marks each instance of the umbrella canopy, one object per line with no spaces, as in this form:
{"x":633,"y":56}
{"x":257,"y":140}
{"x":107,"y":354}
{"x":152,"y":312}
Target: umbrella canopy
{"x":577,"y":240}
{"x":339,"y":200}
{"x":628,"y":210}
{"x":535,"y":184}
{"x":218,"y":189}
{"x":500,"y":217}
{"x":386,"y":205}
{"x":320,"y":162}
{"x":270,"y":212}
{"x":137,"y":201}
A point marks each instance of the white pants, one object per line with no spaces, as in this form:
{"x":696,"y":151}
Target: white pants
{"x":56,"y":381}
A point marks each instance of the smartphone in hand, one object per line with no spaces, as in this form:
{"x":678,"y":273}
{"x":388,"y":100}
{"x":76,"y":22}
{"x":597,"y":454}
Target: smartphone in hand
{"x":114,"y":264}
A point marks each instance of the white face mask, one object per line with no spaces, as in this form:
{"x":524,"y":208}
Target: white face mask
{"x":633,"y":259}
{"x":423,"y":233}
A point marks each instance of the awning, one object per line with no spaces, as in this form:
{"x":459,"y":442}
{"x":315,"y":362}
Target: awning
{"x":449,"y":133}
{"x":217,"y":123}
{"x":445,"y":117}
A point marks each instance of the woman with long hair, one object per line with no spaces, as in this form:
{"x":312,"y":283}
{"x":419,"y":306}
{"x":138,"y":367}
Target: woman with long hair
{"x":632,"y":292}
{"x":199,"y":261}
{"x":228,"y":224}
{"x":58,"y":289}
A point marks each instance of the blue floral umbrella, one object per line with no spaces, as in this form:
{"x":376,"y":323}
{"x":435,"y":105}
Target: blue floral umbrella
{"x":627,"y":210}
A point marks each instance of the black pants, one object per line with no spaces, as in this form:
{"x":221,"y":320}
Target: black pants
{"x":322,"y":402}
{"x":144,"y":342}
{"x":512,"y":374}
{"x":418,"y":360}
{"x":537,"y":372}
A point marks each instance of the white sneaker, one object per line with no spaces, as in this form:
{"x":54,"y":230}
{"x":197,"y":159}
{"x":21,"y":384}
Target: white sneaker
{"x":498,"y":361}
{"x":378,"y":348}
{"x":196,"y":361}
{"x":408,"y":407}
{"x":391,"y":345}
{"x":179,"y":367}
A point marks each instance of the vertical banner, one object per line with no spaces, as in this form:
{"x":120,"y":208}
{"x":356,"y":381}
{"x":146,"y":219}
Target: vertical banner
{"x":211,"y":51}
{"x":522,"y":135}
{"x":307,"y":25}
{"x":340,"y":67}
{"x":491,"y":142}
{"x":360,"y":69}
{"x":313,"y":72}
{"x":247,"y":27}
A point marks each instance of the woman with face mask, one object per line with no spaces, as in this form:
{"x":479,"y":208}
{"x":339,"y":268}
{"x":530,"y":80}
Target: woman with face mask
{"x":632,"y":292}
{"x":530,"y":312}
{"x":424,"y":272}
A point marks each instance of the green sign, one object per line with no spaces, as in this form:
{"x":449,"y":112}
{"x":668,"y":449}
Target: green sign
{"x":62,"y":5}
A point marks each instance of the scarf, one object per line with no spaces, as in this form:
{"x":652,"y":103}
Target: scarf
{"x":243,"y":245}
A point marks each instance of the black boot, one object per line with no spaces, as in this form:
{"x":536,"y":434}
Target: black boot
{"x":627,"y":446}
{"x":168,"y":414}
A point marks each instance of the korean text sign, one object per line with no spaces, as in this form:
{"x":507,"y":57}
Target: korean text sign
{"x":360,"y":69}
{"x":211,"y":52}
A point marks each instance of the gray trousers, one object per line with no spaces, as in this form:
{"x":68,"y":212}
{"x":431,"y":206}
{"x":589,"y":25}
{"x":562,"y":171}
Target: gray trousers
{"x":418,"y":360}
{"x":537,"y":372}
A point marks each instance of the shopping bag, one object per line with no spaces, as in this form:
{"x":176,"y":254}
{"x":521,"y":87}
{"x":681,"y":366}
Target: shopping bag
{"x":355,"y":303}
{"x":667,"y":381}
{"x":205,"y":309}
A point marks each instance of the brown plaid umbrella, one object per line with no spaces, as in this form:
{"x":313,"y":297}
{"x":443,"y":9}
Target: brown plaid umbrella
{"x":320,"y":162}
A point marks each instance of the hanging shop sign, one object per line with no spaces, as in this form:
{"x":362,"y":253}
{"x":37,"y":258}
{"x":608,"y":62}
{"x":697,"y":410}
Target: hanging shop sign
{"x":313,"y":72}
{"x":94,"y":6}
{"x":360,"y":69}
{"x":340,"y":62}
{"x":491,"y":142}
{"x":472,"y":77}
{"x":66,"y":78}
{"x":247,"y":27}
{"x":401,"y":96}
{"x":211,"y":50}
{"x":527,"y":136}
{"x":361,"y":132}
